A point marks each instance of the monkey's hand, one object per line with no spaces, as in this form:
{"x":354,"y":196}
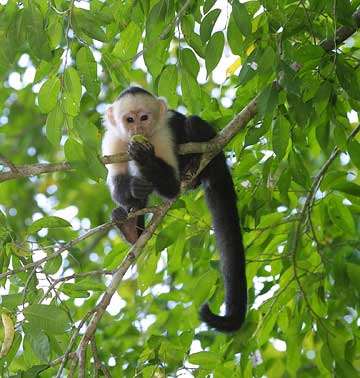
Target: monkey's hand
{"x":142,"y":152}
{"x":140,"y":188}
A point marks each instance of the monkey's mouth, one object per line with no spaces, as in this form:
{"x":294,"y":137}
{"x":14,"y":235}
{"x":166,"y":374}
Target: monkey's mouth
{"x":140,"y":131}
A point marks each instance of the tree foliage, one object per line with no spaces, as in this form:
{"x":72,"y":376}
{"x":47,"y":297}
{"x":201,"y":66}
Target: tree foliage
{"x":295,"y":166}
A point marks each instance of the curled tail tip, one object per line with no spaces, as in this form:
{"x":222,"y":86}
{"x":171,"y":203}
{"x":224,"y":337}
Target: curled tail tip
{"x":221,"y":323}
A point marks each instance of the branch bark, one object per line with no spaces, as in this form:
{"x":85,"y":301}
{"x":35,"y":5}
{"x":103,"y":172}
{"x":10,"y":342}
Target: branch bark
{"x":130,"y":258}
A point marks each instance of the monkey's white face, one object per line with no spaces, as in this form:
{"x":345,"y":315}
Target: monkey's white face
{"x":138,"y":121}
{"x":136,"y":115}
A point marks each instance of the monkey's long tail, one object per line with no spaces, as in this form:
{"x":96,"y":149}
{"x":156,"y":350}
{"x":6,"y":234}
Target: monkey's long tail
{"x":221,"y":199}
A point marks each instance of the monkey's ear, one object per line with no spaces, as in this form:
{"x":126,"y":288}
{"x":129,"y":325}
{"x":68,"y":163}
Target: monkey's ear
{"x":109,"y":115}
{"x":162,"y":109}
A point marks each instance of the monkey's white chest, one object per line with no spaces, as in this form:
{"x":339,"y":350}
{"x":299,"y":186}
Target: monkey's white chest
{"x":133,"y":169}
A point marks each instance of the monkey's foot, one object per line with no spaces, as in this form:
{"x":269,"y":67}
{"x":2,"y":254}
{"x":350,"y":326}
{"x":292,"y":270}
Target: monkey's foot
{"x":127,"y":227}
{"x":119,"y":215}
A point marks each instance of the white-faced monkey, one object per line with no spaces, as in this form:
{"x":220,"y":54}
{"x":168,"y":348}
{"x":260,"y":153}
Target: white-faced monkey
{"x":156,"y":166}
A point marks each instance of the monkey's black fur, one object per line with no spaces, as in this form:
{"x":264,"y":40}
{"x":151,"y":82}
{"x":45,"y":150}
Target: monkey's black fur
{"x":220,"y":197}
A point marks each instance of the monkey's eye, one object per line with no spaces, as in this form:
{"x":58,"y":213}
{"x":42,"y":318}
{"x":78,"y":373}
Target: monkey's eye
{"x":130,"y":119}
{"x":144,"y":117}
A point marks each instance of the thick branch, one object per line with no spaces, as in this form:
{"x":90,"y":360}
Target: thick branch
{"x":118,"y":276}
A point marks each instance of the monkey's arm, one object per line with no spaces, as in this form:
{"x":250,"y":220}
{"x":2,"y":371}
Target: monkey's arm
{"x":162,"y":176}
{"x":130,"y":192}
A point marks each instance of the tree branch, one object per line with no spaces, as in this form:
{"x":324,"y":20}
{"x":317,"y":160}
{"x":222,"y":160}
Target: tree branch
{"x":129,"y":259}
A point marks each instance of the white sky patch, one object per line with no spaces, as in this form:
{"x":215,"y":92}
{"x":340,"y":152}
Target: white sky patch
{"x":344,"y":159}
{"x":353,"y":116}
{"x":116,"y":304}
{"x":15,"y":81}
{"x":82,"y":4}
{"x":68,"y":213}
{"x":278,"y":344}
{"x":24,"y":60}
{"x":260,"y":299}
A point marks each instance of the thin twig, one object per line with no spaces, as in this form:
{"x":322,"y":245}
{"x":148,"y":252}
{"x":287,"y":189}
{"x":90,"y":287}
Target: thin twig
{"x":71,"y":345}
{"x":8,"y":163}
{"x":74,"y":276}
{"x":304,"y":215}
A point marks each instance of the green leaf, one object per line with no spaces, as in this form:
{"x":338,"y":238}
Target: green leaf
{"x":205,"y":286}
{"x":73,"y":291}
{"x":242,"y":18}
{"x":50,"y":318}
{"x":207,"y":24}
{"x":354,"y":152}
{"x":147,"y":269}
{"x":191,"y":92}
{"x":190,"y":62}
{"x":47,"y":222}
{"x":11,"y":301}
{"x":88,"y":133}
{"x":193,"y":39}
{"x":52,"y":266}
{"x":156,"y":56}
{"x":35,"y":35}
{"x":54,"y":124}
{"x":168,"y":236}
{"x":54,"y":29}
{"x":280,"y":136}
{"x":344,"y":369}
{"x":347,"y":187}
{"x":267,"y":61}
{"x":127,"y":46}
{"x":158,"y":18}
{"x":71,"y":95}
{"x":39,"y":343}
{"x":249,"y":68}
{"x":48,"y":94}
{"x":95,"y":168}
{"x":34,"y":371}
{"x":267,"y":100}
{"x":86,"y":22}
{"x":322,"y":97}
{"x":323,"y":135}
{"x":208,"y":5}
{"x":80,"y":289}
{"x":90,"y":283}
{"x":87,"y":67}
{"x":213,"y":51}
{"x":74,"y":151}
{"x":341,"y":216}
{"x":207,"y":360}
{"x":266,"y":327}
{"x":298,"y":170}
{"x":167,"y":85}
{"x":353,"y":272}
{"x":234,"y":37}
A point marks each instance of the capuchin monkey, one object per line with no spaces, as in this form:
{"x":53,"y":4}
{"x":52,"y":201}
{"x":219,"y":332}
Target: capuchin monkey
{"x":156,"y":167}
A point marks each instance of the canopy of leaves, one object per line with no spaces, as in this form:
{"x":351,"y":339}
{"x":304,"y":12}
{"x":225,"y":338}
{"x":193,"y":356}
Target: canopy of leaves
{"x":295,"y":167}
